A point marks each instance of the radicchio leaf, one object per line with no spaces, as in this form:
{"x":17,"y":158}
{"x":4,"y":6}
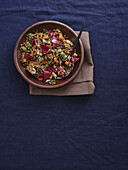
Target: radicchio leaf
{"x":51,"y":69}
{"x":40,"y":74}
{"x":35,"y":40}
{"x":58,"y":69}
{"x":31,"y":58}
{"x":73,"y":59}
{"x":57,"y":43}
{"x":50,"y":32}
{"x":54,"y":41}
{"x":47,"y":74}
{"x":52,"y":35}
{"x":61,"y":71}
{"x":44,"y":49}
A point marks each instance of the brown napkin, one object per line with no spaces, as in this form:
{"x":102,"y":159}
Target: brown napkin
{"x":81,"y":85}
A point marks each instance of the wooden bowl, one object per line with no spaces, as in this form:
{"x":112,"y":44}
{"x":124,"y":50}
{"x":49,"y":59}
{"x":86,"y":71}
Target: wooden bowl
{"x":48,"y":25}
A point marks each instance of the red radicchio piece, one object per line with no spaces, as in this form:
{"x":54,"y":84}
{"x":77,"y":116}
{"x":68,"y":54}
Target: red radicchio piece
{"x":50,"y":32}
{"x":73,"y":59}
{"x":57,"y":43}
{"x":35,"y":41}
{"x":61,"y":71}
{"x":58,"y":69}
{"x":52,"y":35}
{"x":40,"y":74}
{"x":47,"y":74}
{"x":44,"y":49}
{"x":31,"y":58}
{"x":51,"y":69}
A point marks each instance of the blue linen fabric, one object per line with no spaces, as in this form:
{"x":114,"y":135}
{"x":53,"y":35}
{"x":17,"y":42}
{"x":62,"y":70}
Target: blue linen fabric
{"x":76,"y":132}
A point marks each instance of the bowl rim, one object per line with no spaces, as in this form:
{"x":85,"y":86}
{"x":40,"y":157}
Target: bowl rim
{"x":29,"y":80}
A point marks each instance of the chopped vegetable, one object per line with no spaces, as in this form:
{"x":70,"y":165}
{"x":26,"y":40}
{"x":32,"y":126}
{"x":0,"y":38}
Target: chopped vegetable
{"x":31,"y":58}
{"x":73,"y":59}
{"x":44,"y":49}
{"x":61,"y":36}
{"x":35,"y":40}
{"x":66,"y":63}
{"x":24,"y":60}
{"x":75,"y":55}
{"x":40,"y":74}
{"x":40,"y":78}
{"x":47,"y":74}
{"x":46,"y":37}
{"x":50,"y":77}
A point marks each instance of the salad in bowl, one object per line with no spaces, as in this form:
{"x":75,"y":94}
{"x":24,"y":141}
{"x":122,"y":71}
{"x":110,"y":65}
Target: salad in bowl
{"x":46,"y":55}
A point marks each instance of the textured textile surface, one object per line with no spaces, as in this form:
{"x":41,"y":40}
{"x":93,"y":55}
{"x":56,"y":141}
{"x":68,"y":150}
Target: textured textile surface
{"x":76,"y":132}
{"x":83,"y":82}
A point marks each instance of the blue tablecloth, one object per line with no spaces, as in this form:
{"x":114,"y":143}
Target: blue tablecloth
{"x":82,"y":132}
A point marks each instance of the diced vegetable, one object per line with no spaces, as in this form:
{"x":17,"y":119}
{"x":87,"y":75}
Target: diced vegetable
{"x":47,"y":74}
{"x":46,"y":37}
{"x":61,"y":37}
{"x":24,"y":60}
{"x":75,"y":55}
{"x":31,"y":58}
{"x":44,"y":49}
{"x":66,"y":63}
{"x":73,"y":59}
{"x":40,"y":78}
{"x":40,"y":74}
{"x":50,"y":77}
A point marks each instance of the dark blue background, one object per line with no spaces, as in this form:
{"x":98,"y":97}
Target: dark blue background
{"x":82,"y":132}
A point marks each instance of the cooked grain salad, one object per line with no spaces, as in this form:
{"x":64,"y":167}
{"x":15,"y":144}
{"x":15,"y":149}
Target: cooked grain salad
{"x":46,"y":55}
